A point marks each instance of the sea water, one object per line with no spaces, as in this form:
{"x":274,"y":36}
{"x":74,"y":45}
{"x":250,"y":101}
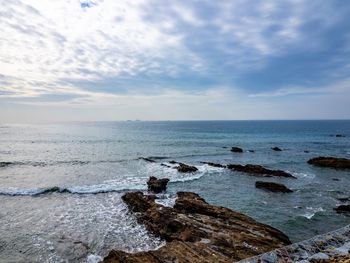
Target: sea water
{"x":61,"y":184}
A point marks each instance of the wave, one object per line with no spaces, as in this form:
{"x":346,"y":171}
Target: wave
{"x":312,"y":211}
{"x":42,"y":164}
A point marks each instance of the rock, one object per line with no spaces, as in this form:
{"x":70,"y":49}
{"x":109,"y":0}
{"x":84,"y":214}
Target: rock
{"x":332,"y":162}
{"x":276,"y":149}
{"x":147,"y":159}
{"x":319,"y":257}
{"x":215,"y":164}
{"x":251,"y":151}
{"x":339,"y":135}
{"x":273,"y":187}
{"x":306,"y":151}
{"x":258,"y":170}
{"x":157,"y":185}
{"x":197,"y":232}
{"x":343,"y":198}
{"x":335,"y":179}
{"x":184,"y":168}
{"x":165,"y":165}
{"x":236,"y":150}
{"x":342,"y":209}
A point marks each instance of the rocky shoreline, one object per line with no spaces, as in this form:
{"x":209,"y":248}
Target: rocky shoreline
{"x":332,"y":247}
{"x":196,"y":232}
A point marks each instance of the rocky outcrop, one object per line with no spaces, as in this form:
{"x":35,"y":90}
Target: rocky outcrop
{"x":218,"y":165}
{"x":342,"y":209}
{"x":258,"y":170}
{"x":236,"y":150}
{"x":277,"y":149}
{"x":272,"y":187}
{"x":184,"y":168}
{"x":157,"y":185}
{"x":197,"y":232}
{"x":332,"y":162}
{"x":343,"y":198}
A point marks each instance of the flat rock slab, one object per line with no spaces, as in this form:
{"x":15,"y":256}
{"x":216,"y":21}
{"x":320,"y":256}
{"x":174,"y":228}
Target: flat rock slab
{"x":331,"y":162}
{"x":259,"y":170}
{"x":272,"y":187}
{"x":197,"y":232}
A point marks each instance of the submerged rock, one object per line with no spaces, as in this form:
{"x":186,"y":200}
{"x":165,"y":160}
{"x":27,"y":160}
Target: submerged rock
{"x":339,"y":135}
{"x":147,"y":159}
{"x":273,"y":187}
{"x":184,"y":168}
{"x":258,"y":170}
{"x":332,"y":162}
{"x":197,"y":232}
{"x":218,"y":165}
{"x":277,"y":149}
{"x":236,"y":150}
{"x":157,"y":185}
{"x":342,"y":209}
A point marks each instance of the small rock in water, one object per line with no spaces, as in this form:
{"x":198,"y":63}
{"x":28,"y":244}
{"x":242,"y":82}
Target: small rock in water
{"x":277,"y":149}
{"x":343,"y":198}
{"x":184,"y":168}
{"x":339,"y":135}
{"x":335,"y":179}
{"x":218,"y":165}
{"x":273,"y":187}
{"x":147,"y":159}
{"x":236,"y":150}
{"x":157,"y":185}
{"x":258,"y":170}
{"x":342,"y":209}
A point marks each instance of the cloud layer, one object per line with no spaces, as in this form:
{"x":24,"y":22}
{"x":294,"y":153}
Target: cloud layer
{"x":106,"y":53}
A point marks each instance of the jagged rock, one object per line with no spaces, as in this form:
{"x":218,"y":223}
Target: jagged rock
{"x":258,"y":170}
{"x":276,"y":149}
{"x":184,"y":168}
{"x":215,"y":164}
{"x":236,"y":150}
{"x":157,"y":185}
{"x":273,"y":187}
{"x":332,"y":162}
{"x":197,"y":232}
{"x":342,"y":209}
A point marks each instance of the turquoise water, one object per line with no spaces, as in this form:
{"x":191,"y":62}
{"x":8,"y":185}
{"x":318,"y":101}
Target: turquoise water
{"x":97,"y":162}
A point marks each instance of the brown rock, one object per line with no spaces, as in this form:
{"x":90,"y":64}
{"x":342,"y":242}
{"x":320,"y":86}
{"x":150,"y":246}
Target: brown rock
{"x":258,"y":170}
{"x":236,"y":150}
{"x":273,"y":187}
{"x":157,"y":185}
{"x":184,"y":168}
{"x":342,"y":209}
{"x":332,"y":162}
{"x":197,"y":232}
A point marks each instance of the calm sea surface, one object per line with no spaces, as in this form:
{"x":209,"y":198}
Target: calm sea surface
{"x":96,"y":162}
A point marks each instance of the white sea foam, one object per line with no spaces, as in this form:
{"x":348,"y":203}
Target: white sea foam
{"x":312,"y":211}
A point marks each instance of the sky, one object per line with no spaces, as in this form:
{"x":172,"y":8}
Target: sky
{"x":91,"y":60}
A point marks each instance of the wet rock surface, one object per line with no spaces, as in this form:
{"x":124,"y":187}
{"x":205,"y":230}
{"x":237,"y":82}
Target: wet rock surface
{"x":332,"y":162}
{"x":258,"y":170}
{"x":332,"y":247}
{"x":236,"y":150}
{"x":157,"y":185}
{"x":185,"y":168}
{"x":197,"y":232}
{"x":272,"y":187}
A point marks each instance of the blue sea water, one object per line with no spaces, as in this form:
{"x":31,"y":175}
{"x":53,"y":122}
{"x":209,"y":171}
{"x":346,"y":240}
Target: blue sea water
{"x":95,"y":162}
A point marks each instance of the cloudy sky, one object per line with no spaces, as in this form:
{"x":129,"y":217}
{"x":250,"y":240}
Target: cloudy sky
{"x":64,"y":60}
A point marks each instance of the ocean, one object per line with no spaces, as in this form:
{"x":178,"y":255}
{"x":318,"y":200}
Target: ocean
{"x":61,"y":184}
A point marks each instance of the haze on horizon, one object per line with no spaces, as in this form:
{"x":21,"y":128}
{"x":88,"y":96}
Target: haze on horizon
{"x":71,"y":60}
